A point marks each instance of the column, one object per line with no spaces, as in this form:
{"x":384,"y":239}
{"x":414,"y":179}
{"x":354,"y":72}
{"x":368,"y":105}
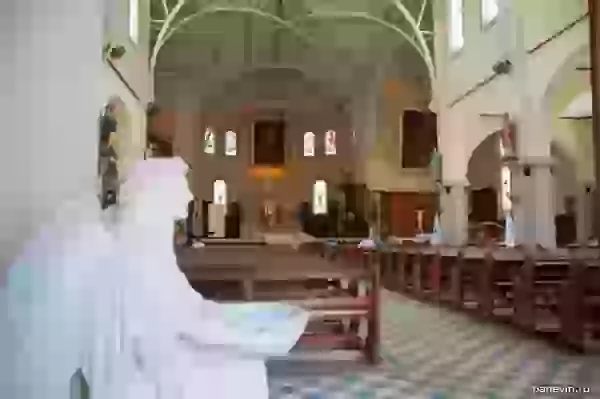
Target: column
{"x":519,"y":203}
{"x":594,"y":9}
{"x":51,"y":76}
{"x":536,"y":217}
{"x":584,"y":211}
{"x":454,"y":200}
{"x":454,"y":216}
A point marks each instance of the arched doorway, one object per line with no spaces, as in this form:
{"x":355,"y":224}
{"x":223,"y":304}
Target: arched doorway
{"x":489,"y":188}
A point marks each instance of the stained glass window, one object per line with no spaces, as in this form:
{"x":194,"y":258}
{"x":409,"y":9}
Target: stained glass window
{"x":489,"y":10}
{"x":220,"y":192}
{"x":230,"y":143}
{"x":134,"y":28}
{"x":330,"y":144}
{"x":209,"y":141}
{"x":456,"y":34}
{"x":309,"y":144}
{"x":320,"y":197}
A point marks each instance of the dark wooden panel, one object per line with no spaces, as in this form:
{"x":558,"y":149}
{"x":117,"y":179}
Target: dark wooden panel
{"x":269,"y":143}
{"x":419,"y":138}
{"x":403,"y":207}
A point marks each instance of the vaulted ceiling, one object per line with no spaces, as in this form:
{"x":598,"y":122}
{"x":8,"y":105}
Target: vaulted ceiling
{"x":339,"y":45}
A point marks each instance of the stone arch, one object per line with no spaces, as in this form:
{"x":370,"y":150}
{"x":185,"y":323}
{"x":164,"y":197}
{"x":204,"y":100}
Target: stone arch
{"x":554,"y":70}
{"x":484,"y":177}
{"x":571,"y":146}
{"x":559,"y":68}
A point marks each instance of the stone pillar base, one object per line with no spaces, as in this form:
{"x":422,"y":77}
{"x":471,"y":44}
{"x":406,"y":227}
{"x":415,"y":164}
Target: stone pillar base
{"x":454,"y":213}
{"x":534,"y":207}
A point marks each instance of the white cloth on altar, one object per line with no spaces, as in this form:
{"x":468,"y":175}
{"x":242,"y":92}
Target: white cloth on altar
{"x":156,"y":337}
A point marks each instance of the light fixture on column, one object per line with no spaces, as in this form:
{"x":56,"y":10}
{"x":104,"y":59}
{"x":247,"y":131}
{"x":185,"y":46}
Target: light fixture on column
{"x":502,"y":67}
{"x":114,"y":52}
{"x":448,"y":189}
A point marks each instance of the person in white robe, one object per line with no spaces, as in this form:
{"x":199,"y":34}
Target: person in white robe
{"x":169,"y":342}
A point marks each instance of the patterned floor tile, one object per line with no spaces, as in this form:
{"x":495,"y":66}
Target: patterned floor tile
{"x":432,"y":353}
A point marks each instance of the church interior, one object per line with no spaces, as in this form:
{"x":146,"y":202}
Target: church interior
{"x":417,"y":176}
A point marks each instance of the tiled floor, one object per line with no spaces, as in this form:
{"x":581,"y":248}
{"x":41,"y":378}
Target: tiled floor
{"x":435,"y":353}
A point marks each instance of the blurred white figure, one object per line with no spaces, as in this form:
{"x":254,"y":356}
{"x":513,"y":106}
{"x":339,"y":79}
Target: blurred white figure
{"x":437,"y":237}
{"x":509,"y":231}
{"x":170,"y":342}
{"x":46,"y":328}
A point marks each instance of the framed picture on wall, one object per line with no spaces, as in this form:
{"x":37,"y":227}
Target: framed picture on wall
{"x":269,"y":142}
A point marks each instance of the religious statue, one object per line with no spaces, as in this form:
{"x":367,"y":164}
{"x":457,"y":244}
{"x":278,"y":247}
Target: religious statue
{"x":508,"y":138}
{"x":46,"y":324}
{"x":174,"y":343}
{"x":269,"y":213}
{"x":111,"y":302}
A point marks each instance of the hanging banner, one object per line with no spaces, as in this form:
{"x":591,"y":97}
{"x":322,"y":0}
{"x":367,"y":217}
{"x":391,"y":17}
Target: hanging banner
{"x":209,"y":142}
{"x":508,"y":139}
{"x":330,"y":147}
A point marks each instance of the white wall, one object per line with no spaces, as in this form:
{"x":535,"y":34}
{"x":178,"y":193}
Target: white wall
{"x":53,"y":87}
{"x":134,"y":64}
{"x":51,"y":76}
{"x":128,"y":78}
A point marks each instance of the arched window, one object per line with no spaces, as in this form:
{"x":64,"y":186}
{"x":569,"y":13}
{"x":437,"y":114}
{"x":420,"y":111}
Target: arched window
{"x":456,"y":34}
{"x":209,"y":141}
{"x":309,"y":144}
{"x":489,"y":11}
{"x":230,"y":143}
{"x":320,"y":197}
{"x":330,"y":144}
{"x":219,"y":192}
{"x":134,"y":24}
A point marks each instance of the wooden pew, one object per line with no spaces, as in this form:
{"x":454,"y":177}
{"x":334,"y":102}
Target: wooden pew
{"x":552,"y":292}
{"x":270,"y":274}
{"x":468,"y":279}
{"x":501,"y":266}
{"x":579,"y":306}
{"x":537,"y":291}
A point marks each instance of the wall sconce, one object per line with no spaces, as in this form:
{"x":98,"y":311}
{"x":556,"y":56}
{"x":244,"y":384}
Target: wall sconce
{"x":114,"y":52}
{"x":152,"y":109}
{"x":502,"y":67}
{"x":527,"y":170}
{"x":588,"y":189}
{"x":448,"y":189}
